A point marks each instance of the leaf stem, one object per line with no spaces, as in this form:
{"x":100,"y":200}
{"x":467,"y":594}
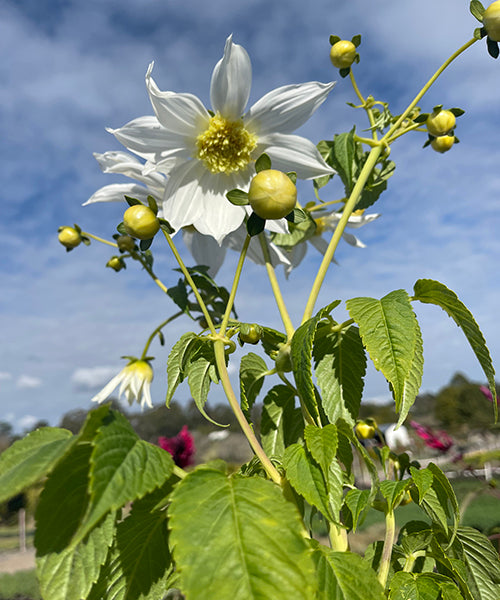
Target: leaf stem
{"x":245,"y":426}
{"x":338,"y":537}
{"x":285,"y":317}
{"x":98,"y":239}
{"x":157,"y":330}
{"x":385,"y":561}
{"x":234,"y":287}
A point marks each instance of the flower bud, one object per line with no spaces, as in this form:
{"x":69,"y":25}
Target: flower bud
{"x":441,"y":123}
{"x":116,"y":263}
{"x":272,"y":195}
{"x":141,"y":222}
{"x":491,"y":21}
{"x":342,"y":54}
{"x":364,"y":431}
{"x":443,"y":143}
{"x":69,"y":237}
{"x":125,"y":243}
{"x":250,"y":333}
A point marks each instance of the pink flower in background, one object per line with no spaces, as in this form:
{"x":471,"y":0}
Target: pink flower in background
{"x":181,"y":447}
{"x":487,"y":393}
{"x":438,"y":440}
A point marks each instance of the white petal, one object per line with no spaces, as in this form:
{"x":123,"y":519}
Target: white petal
{"x":116,"y":192}
{"x":321,"y":245}
{"x":183,"y":114}
{"x":127,"y":164}
{"x":204,"y":249}
{"x":231,"y":81}
{"x":294,"y":153}
{"x":356,"y":221}
{"x":219,"y":217}
{"x":286,"y":108}
{"x":296,"y":255}
{"x":146,"y":396}
{"x":108,"y":388}
{"x":353,"y":240}
{"x":183,"y":202}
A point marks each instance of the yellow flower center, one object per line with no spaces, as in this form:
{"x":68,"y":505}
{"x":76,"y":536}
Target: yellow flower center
{"x":225,"y":146}
{"x":321,"y":225}
{"x":141,"y":369}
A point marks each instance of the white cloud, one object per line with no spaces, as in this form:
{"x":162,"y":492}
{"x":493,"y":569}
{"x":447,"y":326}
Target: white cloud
{"x":26,"y":422}
{"x":4,"y":376}
{"x":28,"y":382}
{"x":93,"y":378}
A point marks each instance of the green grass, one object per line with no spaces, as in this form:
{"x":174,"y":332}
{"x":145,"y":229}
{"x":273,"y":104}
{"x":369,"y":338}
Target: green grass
{"x":22,"y":584}
{"x":9,"y":537}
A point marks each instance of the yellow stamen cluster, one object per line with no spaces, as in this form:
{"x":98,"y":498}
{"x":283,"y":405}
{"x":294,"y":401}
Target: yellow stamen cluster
{"x":225,"y":146}
{"x":321,"y":225}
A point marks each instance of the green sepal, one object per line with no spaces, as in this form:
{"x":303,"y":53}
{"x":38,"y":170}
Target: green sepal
{"x":145,"y":244}
{"x":296,"y":216}
{"x":262,"y":163}
{"x":479,"y":33}
{"x":334,"y":39}
{"x":153,"y":204}
{"x":237,"y":197}
{"x":344,"y":72}
{"x":255,"y":224}
{"x":121,"y":229}
{"x":133,"y":201}
{"x":85,"y":240}
{"x":492,"y":47}
{"x":165,"y":225}
{"x":477,"y":10}
{"x":292,"y":176}
{"x":356,"y":40}
{"x":300,"y":232}
{"x":458,"y":112}
{"x":421,"y":118}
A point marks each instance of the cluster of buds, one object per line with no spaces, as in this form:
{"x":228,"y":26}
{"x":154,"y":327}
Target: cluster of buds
{"x":440,"y":124}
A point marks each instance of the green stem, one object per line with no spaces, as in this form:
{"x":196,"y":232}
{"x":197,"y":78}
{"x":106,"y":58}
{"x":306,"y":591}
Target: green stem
{"x":137,"y":256}
{"x":367,"y":108}
{"x":339,"y":230}
{"x":285,"y":317}
{"x":157,"y":330}
{"x":338,"y":538}
{"x":189,"y":279}
{"x":410,"y":560}
{"x":385,"y":561}
{"x":324,"y":204}
{"x":236,"y":281}
{"x":245,"y":426}
{"x":98,"y":239}
{"x":426,"y":87}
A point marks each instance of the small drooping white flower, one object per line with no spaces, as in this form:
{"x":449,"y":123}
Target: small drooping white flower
{"x":206,"y":154}
{"x":134,"y":381}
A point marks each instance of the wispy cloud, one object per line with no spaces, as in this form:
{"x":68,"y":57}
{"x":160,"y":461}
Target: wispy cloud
{"x":28,"y":382}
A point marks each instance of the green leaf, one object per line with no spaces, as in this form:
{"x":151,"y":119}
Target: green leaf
{"x":70,"y":573}
{"x":392,"y":491}
{"x":340,"y":370}
{"x":237,"y":197}
{"x":301,"y":346}
{"x":356,"y":501}
{"x":423,"y":479}
{"x":262,"y":163}
{"x":482,"y":563}
{"x":177,"y":361}
{"x":123,"y":468}
{"x":343,"y":154}
{"x":433,"y":292}
{"x":139,"y":565}
{"x":388,"y":328}
{"x":272,"y":340}
{"x":477,"y":10}
{"x":306,"y":478}
{"x":253,"y":369}
{"x":409,"y":586}
{"x":31,"y":458}
{"x":201,"y":372}
{"x":180,"y":296}
{"x":299,"y":232}
{"x":282,"y":424}
{"x":345,"y":576}
{"x":414,"y":379}
{"x":217,"y":526}
{"x":255,"y":224}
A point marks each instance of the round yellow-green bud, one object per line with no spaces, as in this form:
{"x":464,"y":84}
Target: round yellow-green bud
{"x":115,"y":263}
{"x":364,"y":431}
{"x":272,"y":195}
{"x":69,"y":237}
{"x":491,"y":21}
{"x":440,"y":124}
{"x":443,"y":143}
{"x":250,"y":333}
{"x":141,"y":222}
{"x":342,"y":54}
{"x":125,"y":243}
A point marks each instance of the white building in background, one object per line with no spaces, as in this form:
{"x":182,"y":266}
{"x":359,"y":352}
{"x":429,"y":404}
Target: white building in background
{"x":396,"y":439}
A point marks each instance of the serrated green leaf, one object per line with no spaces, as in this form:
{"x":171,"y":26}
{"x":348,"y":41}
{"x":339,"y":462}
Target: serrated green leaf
{"x":356,"y":501}
{"x":237,"y":197}
{"x":413,"y":380}
{"x":201,"y":372}
{"x":477,"y":10}
{"x":282,"y":424}
{"x":433,"y":292}
{"x":306,"y":478}
{"x":123,"y":468}
{"x":139,"y":564}
{"x":345,"y":576}
{"x":299,"y":232}
{"x":253,"y":369}
{"x":388,"y":328}
{"x":176,"y":362}
{"x":415,"y":536}
{"x":342,"y":157}
{"x":69,"y":574}
{"x":271,"y":339}
{"x":301,"y":346}
{"x":180,"y":296}
{"x":340,"y":370}
{"x":393,"y":490}
{"x":217,"y":523}
{"x":262,"y":163}
{"x":482,"y":563}
{"x":423,"y":479}
{"x":31,"y":458}
{"x":409,"y":586}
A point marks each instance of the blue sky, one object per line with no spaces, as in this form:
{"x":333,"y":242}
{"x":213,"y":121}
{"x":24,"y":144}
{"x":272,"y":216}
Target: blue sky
{"x":75,"y":68}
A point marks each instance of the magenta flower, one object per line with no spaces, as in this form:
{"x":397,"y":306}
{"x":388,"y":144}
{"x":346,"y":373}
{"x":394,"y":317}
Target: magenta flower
{"x":438,"y":440}
{"x":181,"y":447}
{"x":486,"y":392}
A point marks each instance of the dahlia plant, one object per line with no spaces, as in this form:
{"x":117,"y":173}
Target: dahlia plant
{"x":123,"y":519}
